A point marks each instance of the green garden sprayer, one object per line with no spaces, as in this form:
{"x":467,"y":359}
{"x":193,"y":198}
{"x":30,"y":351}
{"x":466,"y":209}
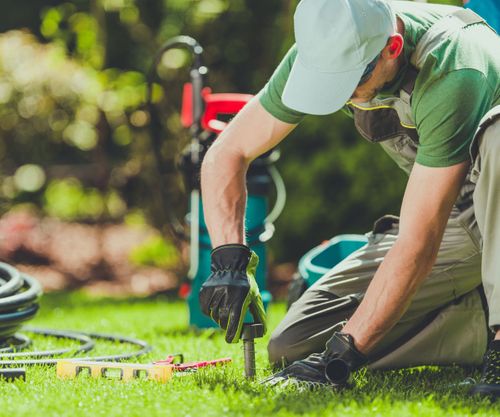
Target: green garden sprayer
{"x":205,"y":114}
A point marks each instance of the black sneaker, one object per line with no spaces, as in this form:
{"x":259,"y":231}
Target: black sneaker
{"x":308,"y":372}
{"x":489,"y":384}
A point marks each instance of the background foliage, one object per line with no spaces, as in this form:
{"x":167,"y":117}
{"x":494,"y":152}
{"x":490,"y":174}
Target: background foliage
{"x":74,"y":138}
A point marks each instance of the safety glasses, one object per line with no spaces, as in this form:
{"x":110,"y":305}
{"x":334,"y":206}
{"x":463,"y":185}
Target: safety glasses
{"x":369,"y":70}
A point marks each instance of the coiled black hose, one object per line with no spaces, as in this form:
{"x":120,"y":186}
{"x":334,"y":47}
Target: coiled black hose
{"x":19,"y":296}
{"x":86,"y":344}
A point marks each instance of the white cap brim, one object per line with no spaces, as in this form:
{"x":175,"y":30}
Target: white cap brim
{"x":313,"y":92}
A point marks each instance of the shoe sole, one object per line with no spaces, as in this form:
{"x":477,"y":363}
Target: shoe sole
{"x":486,"y":390}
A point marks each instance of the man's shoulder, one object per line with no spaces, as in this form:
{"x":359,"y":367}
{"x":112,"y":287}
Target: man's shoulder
{"x":463,"y":56}
{"x":448,"y":52}
{"x":271,"y":95}
{"x":421,"y":16}
{"x":422,"y":11}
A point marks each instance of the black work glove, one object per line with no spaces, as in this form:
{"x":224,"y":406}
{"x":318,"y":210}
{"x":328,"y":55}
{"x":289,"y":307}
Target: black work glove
{"x":231,"y":290}
{"x":331,"y":367}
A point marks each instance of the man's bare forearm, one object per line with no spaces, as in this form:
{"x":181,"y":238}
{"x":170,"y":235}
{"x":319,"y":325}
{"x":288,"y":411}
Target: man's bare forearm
{"x":223,"y":173}
{"x":426,"y":207}
{"x":224,"y":196}
{"x":389,"y":294}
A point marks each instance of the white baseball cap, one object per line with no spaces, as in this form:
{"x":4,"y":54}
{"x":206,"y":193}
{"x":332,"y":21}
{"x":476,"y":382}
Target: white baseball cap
{"x":336,"y":40}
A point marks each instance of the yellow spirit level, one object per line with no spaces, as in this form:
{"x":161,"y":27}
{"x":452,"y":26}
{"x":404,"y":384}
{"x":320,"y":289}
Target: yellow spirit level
{"x":70,"y":369}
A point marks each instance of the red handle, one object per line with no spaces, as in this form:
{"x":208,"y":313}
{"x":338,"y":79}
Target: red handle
{"x":191,"y":365}
{"x":187,"y":104}
{"x":215,"y":105}
{"x":222,"y":104}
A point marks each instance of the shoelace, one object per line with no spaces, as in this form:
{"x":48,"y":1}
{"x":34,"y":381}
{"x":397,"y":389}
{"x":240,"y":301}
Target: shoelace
{"x":491,"y":370}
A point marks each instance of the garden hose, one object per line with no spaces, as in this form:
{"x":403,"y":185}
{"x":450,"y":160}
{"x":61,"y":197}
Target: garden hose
{"x":19,"y":296}
{"x":87,"y":343}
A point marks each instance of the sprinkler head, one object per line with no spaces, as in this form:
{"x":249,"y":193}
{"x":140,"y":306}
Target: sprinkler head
{"x":252,"y":331}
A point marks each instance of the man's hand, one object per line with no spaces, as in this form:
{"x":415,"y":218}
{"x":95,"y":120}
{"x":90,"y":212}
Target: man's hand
{"x":231,"y":290}
{"x":331,"y":367}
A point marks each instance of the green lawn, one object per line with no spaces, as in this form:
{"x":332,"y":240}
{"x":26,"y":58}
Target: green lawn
{"x":217,"y":392}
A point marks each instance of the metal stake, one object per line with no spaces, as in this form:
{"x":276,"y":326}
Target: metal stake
{"x":250,"y":332}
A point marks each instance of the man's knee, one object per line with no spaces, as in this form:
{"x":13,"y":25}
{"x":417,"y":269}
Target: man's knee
{"x":279,"y":349}
{"x":286,"y":346}
{"x":308,"y":325}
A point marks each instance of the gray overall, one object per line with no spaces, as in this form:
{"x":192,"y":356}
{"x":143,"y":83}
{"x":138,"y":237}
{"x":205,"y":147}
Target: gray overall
{"x":446,"y":322}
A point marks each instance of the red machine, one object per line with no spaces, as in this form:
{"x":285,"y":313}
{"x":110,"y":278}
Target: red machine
{"x":215,"y":105}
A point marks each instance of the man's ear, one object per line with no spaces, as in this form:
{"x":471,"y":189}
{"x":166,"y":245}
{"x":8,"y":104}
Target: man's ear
{"x":394,"y":46}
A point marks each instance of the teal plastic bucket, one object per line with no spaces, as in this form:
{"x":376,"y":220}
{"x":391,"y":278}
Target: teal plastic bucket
{"x":318,"y":261}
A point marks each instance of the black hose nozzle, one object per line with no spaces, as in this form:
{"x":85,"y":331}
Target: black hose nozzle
{"x":338,"y":372}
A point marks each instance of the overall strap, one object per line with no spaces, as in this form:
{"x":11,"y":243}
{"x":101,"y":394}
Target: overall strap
{"x":459,"y":19}
{"x":488,"y":119}
{"x":408,"y":85}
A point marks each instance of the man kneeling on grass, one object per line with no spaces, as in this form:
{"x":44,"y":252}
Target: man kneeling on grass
{"x":422,"y":80}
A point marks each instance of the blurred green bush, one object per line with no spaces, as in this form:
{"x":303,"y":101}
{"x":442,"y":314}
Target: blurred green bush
{"x":156,"y":251}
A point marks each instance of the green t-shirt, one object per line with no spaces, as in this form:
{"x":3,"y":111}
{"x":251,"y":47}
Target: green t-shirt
{"x":457,"y":84}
